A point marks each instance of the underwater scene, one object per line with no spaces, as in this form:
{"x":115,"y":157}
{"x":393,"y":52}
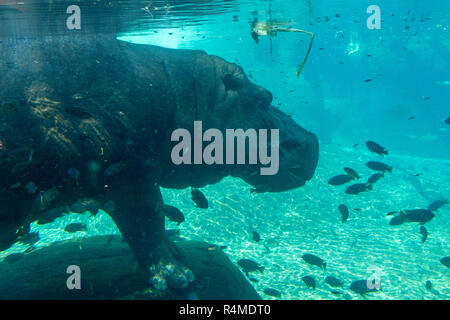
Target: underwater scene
{"x":225,"y":149}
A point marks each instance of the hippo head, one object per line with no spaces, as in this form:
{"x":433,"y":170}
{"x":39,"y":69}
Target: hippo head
{"x":236,"y":103}
{"x":246,"y":106}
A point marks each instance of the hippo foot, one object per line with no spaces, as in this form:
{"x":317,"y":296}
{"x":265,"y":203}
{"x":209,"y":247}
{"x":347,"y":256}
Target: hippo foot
{"x":169,"y":272}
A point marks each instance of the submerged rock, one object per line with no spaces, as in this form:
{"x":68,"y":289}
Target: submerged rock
{"x":110,"y":271}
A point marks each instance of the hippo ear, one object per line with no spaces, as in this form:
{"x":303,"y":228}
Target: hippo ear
{"x":231,"y":82}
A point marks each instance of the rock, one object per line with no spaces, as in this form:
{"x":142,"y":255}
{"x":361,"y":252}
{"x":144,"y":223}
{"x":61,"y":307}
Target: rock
{"x":110,"y":271}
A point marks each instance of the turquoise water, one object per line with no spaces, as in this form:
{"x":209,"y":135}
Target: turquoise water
{"x":407,"y":63}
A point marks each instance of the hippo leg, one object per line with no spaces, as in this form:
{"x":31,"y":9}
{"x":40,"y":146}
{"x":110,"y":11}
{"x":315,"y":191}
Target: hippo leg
{"x":139,"y":217}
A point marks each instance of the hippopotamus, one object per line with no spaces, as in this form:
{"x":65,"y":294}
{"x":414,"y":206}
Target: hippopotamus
{"x":92,"y":117}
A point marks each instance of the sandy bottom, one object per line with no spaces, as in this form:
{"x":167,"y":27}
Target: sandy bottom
{"x":306,"y":220}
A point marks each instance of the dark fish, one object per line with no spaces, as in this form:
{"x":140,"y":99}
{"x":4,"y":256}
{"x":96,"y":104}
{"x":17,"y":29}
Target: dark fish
{"x":418,"y":215}
{"x":424,"y":233}
{"x":75,"y":227}
{"x":358,"y":188}
{"x":428,"y":285}
{"x":355,"y":145}
{"x":447,"y":121}
{"x":376,"y":148}
{"x":248,"y":265}
{"x":30,"y":238}
{"x":352,"y":173}
{"x":379,"y":166}
{"x":427,"y":98}
{"x":357,"y":209}
{"x":256,"y":237}
{"x":412,"y":117}
{"x":446,"y":261}
{"x":309,"y":281}
{"x":199,"y":198}
{"x":114,"y":169}
{"x":334,"y":282}
{"x":421,"y":216}
{"x":368,"y":80}
{"x":173,"y":214}
{"x":417,"y":174}
{"x":272,"y":292}
{"x":340,"y":180}
{"x":360,"y":286}
{"x":13,"y":257}
{"x":344,"y":212}
{"x":255,"y":36}
{"x":252,"y":279}
{"x":314,"y":260}
{"x":437,"y":204}
{"x":74,"y":174}
{"x":375,"y":177}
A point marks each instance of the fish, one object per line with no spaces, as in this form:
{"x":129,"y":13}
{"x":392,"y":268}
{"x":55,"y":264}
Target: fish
{"x":428,"y":285}
{"x":256,"y":237}
{"x":74,"y":174}
{"x":343,"y":209}
{"x":45,"y":198}
{"x":447,"y":121}
{"x":199,"y":198}
{"x":446,"y":261}
{"x":252,"y":279}
{"x":272,"y":292}
{"x":75,"y":227}
{"x":376,"y":148}
{"x":411,"y":118}
{"x":352,"y":173}
{"x":173,"y":214}
{"x":424,"y":233}
{"x":375,"y":177}
{"x":340,"y":180}
{"x":314,"y":260}
{"x":248,"y":265}
{"x":30,"y":238}
{"x":379,"y":166}
{"x":368,"y":80}
{"x":421,"y":216}
{"x":114,"y":169}
{"x":1,"y":145}
{"x":357,"y":188}
{"x":309,"y":281}
{"x":437,"y":204}
{"x":360,"y":286}
{"x":31,"y":188}
{"x":333,"y":281}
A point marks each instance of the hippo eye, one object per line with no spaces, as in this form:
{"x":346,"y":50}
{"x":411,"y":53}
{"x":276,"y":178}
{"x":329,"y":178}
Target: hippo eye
{"x":231,"y":82}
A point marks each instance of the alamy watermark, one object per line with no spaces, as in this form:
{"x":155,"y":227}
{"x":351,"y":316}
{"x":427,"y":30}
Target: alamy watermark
{"x":214,"y":152}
